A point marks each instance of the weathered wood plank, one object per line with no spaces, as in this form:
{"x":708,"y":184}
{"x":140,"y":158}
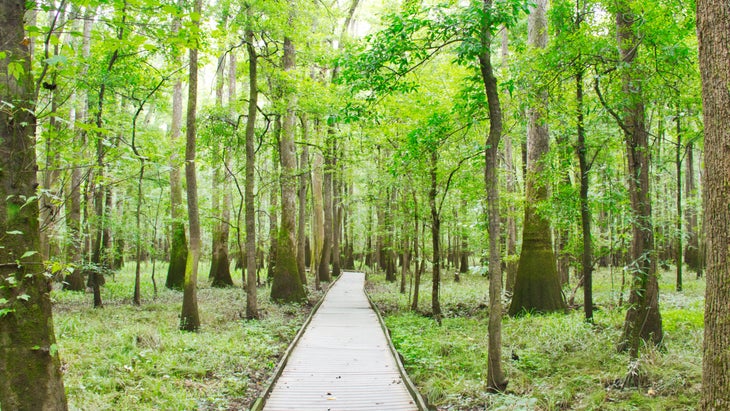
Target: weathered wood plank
{"x":343,"y":360}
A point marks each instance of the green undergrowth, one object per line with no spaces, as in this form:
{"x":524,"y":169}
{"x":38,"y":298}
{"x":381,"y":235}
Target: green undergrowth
{"x":124,"y":357}
{"x":553,"y":362}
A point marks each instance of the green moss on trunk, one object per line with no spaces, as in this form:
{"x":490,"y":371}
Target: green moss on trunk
{"x":287,"y":286}
{"x":178,"y":256}
{"x":537,"y":285}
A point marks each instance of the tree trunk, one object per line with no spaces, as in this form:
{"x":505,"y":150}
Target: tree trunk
{"x":435,"y":240}
{"x":537,"y":286}
{"x":643,"y":320}
{"x":75,"y":280}
{"x":286,"y":285}
{"x":304,"y":176}
{"x":178,"y":242}
{"x":496,"y":380}
{"x":585,"y":208}
{"x":678,"y":164}
{"x":317,"y":215}
{"x":713,"y":26}
{"x":274,"y":204}
{"x":251,"y":292}
{"x":324,"y":263}
{"x":336,"y":212}
{"x":418,"y":264}
{"x":692,"y":250}
{"x":189,"y":318}
{"x":30,"y":375}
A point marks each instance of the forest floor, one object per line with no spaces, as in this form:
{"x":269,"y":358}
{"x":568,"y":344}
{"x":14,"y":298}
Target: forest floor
{"x":124,"y":357}
{"x":553,"y":362}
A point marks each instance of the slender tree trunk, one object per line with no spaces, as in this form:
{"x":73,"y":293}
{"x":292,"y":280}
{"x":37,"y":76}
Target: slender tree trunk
{"x":537,"y":286}
{"x":75,"y":280}
{"x":324,"y":263}
{"x":496,"y":380}
{"x":419,"y":264}
{"x":585,"y":208}
{"x":304,"y":176}
{"x":643,"y":320}
{"x":713,"y":26}
{"x":435,"y":240}
{"x":274,"y":203}
{"x":251,"y":292}
{"x":178,"y":242}
{"x":336,"y":212}
{"x":287,"y":285}
{"x":30,"y":375}
{"x":692,"y":250}
{"x":318,"y":232}
{"x":678,"y":163}
{"x":189,"y":318}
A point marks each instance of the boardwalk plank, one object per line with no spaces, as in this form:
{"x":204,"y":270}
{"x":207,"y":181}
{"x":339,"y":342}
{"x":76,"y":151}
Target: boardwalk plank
{"x":343,"y":360}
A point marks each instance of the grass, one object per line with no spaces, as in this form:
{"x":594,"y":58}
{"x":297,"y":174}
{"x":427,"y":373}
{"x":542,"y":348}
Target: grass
{"x":124,"y":357}
{"x":553,"y":362}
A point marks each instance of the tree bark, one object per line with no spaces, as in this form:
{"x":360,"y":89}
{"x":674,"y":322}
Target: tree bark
{"x":496,"y":381}
{"x":537,"y":285}
{"x":585,"y":208}
{"x":713,"y":29}
{"x":318,"y":233}
{"x":324,"y":263}
{"x":189,"y":317}
{"x":286,"y":285}
{"x":304,"y":175}
{"x":435,"y":240}
{"x":692,"y":255}
{"x":178,"y":242}
{"x":643,"y":320}
{"x":30,"y":375}
{"x":251,"y":292}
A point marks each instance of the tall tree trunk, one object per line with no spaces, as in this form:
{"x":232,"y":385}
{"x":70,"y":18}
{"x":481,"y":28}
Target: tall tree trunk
{"x":692,"y":250}
{"x":30,"y":375}
{"x":318,"y":232}
{"x":713,"y":26}
{"x":48,"y":207}
{"x":304,"y":176}
{"x":287,"y":285}
{"x":220,"y":271}
{"x":643,"y":319}
{"x":678,"y":164}
{"x":336,"y":212}
{"x":75,"y":280}
{"x":435,"y":240}
{"x":178,"y":242}
{"x":274,"y":203}
{"x":585,"y":208}
{"x":537,"y":286}
{"x":251,"y":295}
{"x":324,"y":263}
{"x":189,"y":317}
{"x":496,"y":380}
{"x":419,"y":264}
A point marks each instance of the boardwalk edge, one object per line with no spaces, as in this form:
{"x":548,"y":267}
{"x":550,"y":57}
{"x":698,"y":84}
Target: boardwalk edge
{"x":258,"y":405}
{"x":420,"y":402}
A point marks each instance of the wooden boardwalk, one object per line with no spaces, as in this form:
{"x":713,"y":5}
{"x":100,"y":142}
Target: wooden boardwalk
{"x":343,"y":361}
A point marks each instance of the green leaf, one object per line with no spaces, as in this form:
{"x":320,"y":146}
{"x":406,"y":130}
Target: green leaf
{"x":5,"y":311}
{"x":24,"y":297}
{"x":55,"y":60}
{"x":53,"y":349}
{"x":3,"y":301}
{"x":14,"y":232}
{"x":28,"y":254}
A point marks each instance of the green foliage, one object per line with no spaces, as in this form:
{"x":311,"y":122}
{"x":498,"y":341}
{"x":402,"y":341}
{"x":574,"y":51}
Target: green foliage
{"x":561,"y":361}
{"x":113,"y":362}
